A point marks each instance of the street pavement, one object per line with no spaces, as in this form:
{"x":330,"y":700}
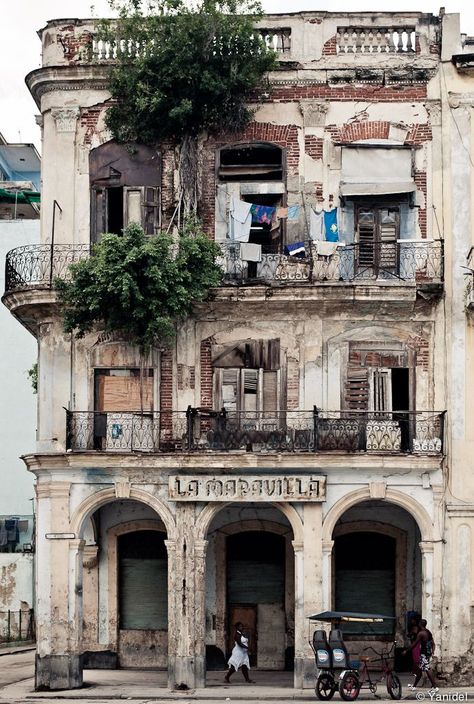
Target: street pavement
{"x":149,"y":687}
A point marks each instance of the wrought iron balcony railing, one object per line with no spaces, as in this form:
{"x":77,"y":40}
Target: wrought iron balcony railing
{"x":38,"y":265}
{"x":411,"y":261}
{"x":201,"y":430}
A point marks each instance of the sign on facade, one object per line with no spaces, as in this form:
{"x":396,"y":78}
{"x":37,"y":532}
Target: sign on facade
{"x":262,"y":487}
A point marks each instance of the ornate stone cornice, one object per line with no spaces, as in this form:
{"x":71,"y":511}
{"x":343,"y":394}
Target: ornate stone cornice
{"x":314,"y":112}
{"x":66,"y":78}
{"x":65,"y":118}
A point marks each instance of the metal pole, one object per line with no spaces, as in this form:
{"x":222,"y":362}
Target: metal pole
{"x":55,"y":205}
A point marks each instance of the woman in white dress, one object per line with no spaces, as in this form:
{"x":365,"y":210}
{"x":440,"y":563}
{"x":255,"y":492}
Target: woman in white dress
{"x":240,"y":655}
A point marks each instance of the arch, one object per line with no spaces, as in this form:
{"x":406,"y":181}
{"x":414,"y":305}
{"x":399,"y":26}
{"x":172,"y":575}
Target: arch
{"x":105,"y":496}
{"x":211,"y":510}
{"x":254,"y":524}
{"x":394,"y":496}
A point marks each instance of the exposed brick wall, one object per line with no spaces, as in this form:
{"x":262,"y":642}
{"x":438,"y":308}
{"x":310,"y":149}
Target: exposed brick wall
{"x":293,"y":384}
{"x":313,"y":146}
{"x":318,"y":190}
{"x":330,"y":47}
{"x":206,"y":374}
{"x":166,"y":381}
{"x":74,"y":47}
{"x":398,"y":93}
{"x":421,"y":347}
{"x":377,"y":129}
{"x":89,"y":119}
{"x":421,"y":184}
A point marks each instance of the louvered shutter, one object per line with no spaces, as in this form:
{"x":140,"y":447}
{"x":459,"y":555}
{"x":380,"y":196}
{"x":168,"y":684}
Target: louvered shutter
{"x":366,"y":237}
{"x":227,"y":388}
{"x":357,"y":389}
{"x":381,"y":390}
{"x":151,"y":211}
{"x":249,"y":400}
{"x":98,"y":213}
{"x":389,"y":230}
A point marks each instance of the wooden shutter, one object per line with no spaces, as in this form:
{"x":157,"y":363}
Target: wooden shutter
{"x":249,"y":390}
{"x":98,"y":213}
{"x":366,"y":237}
{"x":226,"y":388}
{"x":381,"y":390}
{"x":270,"y":391}
{"x":389,"y":231}
{"x":151,"y":211}
{"x":133,"y":205}
{"x":357,"y":389}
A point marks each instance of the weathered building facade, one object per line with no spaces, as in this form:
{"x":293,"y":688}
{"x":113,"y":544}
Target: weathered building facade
{"x":292,"y":456}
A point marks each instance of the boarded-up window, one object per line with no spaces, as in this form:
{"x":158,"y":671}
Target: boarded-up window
{"x":143,"y":581}
{"x":357,"y":389}
{"x":124,"y":390}
{"x":251,"y":390}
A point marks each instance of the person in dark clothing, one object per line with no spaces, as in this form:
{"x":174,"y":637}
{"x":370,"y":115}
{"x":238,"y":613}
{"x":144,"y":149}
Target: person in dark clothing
{"x":425,"y":641}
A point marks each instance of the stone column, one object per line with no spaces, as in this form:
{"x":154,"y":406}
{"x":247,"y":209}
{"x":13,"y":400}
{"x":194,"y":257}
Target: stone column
{"x":300,"y":649}
{"x":427,"y":582}
{"x":186,"y":625}
{"x":90,"y":565}
{"x":327,"y":547}
{"x":58,"y":586}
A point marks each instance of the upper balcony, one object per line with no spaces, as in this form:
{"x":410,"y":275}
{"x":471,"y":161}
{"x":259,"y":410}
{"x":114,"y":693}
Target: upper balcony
{"x":299,"y":39}
{"x":287,"y":431}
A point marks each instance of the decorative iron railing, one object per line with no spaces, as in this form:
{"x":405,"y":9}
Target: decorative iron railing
{"x":405,"y":260}
{"x":17,"y":626}
{"x":40,"y":264}
{"x":198,"y":429}
{"x":376,"y":40}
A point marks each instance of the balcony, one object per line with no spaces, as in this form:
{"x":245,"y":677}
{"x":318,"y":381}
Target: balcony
{"x":38,"y":265}
{"x":198,"y":430}
{"x":376,"y":40}
{"x":420,"y":262}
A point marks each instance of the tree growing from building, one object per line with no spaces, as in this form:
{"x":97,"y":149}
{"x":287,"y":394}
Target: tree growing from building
{"x":182,"y":70}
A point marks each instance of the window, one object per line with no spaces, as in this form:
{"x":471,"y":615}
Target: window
{"x":124,"y":189}
{"x":251,"y":162}
{"x":377,"y":230}
{"x":249,"y":390}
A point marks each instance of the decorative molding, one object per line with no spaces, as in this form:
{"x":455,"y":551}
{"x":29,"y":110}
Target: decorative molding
{"x":90,"y":556}
{"x":314,"y":112}
{"x":39,"y":120}
{"x":378,"y":490}
{"x":433,"y":108}
{"x":65,"y":119}
{"x":123,"y":489}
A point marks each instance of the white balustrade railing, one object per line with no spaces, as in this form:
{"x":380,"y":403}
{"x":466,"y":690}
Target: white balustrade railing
{"x":376,"y":40}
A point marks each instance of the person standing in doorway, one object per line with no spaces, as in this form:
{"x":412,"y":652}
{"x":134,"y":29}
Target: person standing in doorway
{"x":427,"y":647}
{"x":240,"y":655}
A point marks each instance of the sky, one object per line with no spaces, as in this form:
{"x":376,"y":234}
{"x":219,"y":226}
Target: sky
{"x":20,"y":46}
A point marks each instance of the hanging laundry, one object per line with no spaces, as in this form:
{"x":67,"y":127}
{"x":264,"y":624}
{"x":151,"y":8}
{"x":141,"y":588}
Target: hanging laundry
{"x":293,"y":212}
{"x":250,"y":252}
{"x":316,"y":225}
{"x":263,"y":213}
{"x":282,"y":213}
{"x":330,"y":225}
{"x":296,"y":249}
{"x":240,"y":220}
{"x":326,"y":249}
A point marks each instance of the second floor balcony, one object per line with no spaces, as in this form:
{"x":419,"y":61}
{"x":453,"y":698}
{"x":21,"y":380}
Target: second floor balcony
{"x":288,"y":431}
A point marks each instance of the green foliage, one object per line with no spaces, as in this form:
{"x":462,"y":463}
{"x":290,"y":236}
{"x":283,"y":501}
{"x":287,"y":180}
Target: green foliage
{"x":33,"y":377}
{"x":140,"y":286}
{"x":192,"y":69}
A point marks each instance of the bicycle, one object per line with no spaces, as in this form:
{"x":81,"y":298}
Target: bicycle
{"x":352,"y":681}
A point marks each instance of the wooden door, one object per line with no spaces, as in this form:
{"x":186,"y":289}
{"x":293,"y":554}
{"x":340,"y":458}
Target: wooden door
{"x":246,"y":614}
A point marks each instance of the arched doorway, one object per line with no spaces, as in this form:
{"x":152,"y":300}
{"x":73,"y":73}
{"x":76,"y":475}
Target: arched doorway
{"x":377,"y":567}
{"x":125,"y":587}
{"x":250,"y":578}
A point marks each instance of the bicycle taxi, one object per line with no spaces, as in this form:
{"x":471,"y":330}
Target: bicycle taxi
{"x":335,"y":671}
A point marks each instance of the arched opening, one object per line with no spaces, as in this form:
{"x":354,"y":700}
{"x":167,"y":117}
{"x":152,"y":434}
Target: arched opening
{"x":125,"y":587}
{"x":250,"y":578}
{"x":377,"y":567}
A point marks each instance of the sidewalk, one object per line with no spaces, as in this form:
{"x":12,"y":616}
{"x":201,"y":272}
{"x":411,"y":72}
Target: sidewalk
{"x":149,"y":685}
{"x":18,"y":648}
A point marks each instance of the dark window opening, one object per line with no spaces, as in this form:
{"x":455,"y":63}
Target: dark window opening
{"x":115,"y":210}
{"x":261,"y":162}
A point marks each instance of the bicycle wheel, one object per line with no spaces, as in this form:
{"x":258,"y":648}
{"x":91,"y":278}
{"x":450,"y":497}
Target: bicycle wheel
{"x":394,"y":686}
{"x":349,"y":687}
{"x":325,"y":686}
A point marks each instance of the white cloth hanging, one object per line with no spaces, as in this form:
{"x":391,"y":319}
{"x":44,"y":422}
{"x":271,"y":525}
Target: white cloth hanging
{"x":316,"y":225}
{"x":240,"y":220}
{"x":251,"y":252}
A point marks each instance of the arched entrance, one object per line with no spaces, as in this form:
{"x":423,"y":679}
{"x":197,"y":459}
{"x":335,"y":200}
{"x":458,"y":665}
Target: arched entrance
{"x":125,"y":587}
{"x":250,"y":577}
{"x":377,"y":567}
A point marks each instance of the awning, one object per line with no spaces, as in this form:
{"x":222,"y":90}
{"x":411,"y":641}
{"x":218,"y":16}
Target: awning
{"x":350,"y":616}
{"x":373,"y":188}
{"x":376,"y":170}
{"x":19,"y":197}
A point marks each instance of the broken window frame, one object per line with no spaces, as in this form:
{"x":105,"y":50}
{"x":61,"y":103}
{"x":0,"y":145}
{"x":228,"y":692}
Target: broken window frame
{"x":377,"y":251}
{"x":260,"y":171}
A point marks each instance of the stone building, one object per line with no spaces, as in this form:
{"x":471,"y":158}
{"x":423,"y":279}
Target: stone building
{"x":294,"y":453}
